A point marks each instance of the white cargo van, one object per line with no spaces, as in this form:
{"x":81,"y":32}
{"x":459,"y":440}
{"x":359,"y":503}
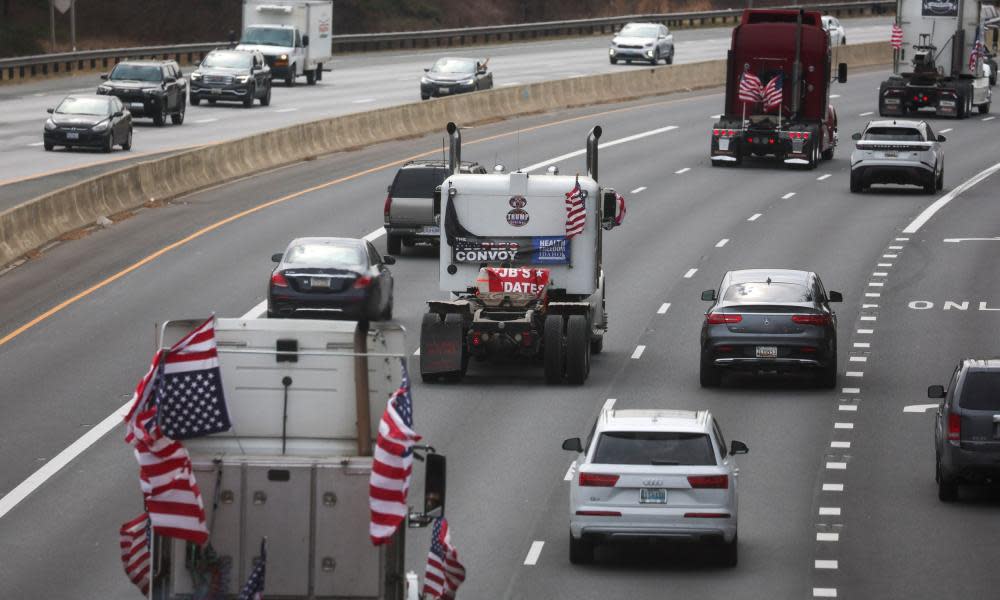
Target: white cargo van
{"x":295,"y":36}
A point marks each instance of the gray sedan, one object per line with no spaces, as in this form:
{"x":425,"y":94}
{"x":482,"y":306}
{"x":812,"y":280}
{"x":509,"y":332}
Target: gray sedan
{"x":898,"y":151}
{"x":648,"y":42}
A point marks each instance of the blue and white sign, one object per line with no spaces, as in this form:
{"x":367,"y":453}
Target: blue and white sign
{"x":550,"y":250}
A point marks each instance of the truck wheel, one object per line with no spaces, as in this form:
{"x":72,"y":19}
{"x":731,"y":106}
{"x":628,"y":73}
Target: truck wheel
{"x":195,"y":100}
{"x":290,"y":78}
{"x":552,"y":340}
{"x":311,"y":77}
{"x":962,"y":103}
{"x":828,"y":153}
{"x":984,"y":108}
{"x":265,"y":100}
{"x":393,"y":245}
{"x":577,"y":349}
{"x":319,"y":72}
{"x":581,"y":551}
{"x":597,"y":345}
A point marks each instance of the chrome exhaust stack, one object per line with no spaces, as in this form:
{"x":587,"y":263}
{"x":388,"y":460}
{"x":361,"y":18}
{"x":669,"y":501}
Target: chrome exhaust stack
{"x":592,"y":138}
{"x":454,"y":149}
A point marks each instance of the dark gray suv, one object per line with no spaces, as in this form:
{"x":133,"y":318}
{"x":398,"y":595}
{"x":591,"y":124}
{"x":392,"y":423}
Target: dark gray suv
{"x":967,"y":427}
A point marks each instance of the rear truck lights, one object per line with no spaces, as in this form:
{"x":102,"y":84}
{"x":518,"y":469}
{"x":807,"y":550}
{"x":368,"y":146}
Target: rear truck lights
{"x":798,"y":135}
{"x":362,"y":282}
{"x":598,"y":513}
{"x":770,"y":140}
{"x":597,"y":480}
{"x":278,"y":280}
{"x":706,"y":482}
{"x":724,"y":132}
{"x":388,"y":206}
{"x":477,"y":338}
{"x":954,"y":427}
{"x":706,"y":515}
{"x":811,"y":319}
{"x":723,"y":318}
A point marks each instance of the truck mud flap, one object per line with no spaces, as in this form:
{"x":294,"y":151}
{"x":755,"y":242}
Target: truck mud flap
{"x":441,"y":345}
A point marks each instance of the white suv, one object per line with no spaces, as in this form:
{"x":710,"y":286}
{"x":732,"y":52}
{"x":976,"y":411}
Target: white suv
{"x":654,"y":474}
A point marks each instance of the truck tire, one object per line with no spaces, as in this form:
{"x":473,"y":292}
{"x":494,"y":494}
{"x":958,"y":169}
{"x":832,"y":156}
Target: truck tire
{"x":597,"y":345}
{"x":319,"y":72}
{"x":311,"y":77}
{"x":962,"y":102}
{"x":984,"y":108}
{"x":828,"y":153}
{"x":577,"y":349}
{"x":393,"y":245}
{"x":552,"y":342}
{"x":195,"y":100}
{"x":290,"y":78}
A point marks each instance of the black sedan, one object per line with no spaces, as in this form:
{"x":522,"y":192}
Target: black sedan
{"x":338,"y":278}
{"x":89,"y":121}
{"x":232,"y":75}
{"x":455,"y":76}
{"x":770,"y":320}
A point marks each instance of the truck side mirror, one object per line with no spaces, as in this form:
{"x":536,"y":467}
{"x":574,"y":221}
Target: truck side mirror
{"x":842,"y":73}
{"x":835,"y":297}
{"x":935,"y":391}
{"x":305,"y":42}
{"x":856,"y":136}
{"x":573,"y":445}
{"x":708,"y":295}
{"x":435,"y":484}
{"x":437,"y":200}
{"x":611,"y":210}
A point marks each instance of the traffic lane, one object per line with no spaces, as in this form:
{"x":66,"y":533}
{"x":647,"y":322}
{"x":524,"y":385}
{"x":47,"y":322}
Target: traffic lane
{"x":917,"y":341}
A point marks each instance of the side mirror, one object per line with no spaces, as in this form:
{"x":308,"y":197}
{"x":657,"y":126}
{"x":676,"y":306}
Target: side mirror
{"x":935,"y":391}
{"x":427,"y":69}
{"x":118,"y":114}
{"x":611,"y":210}
{"x":738,"y":447}
{"x":941,"y":138}
{"x":855,"y":136}
{"x":388,"y":260}
{"x":436,"y":200}
{"x":104,"y":75}
{"x":305,"y":41}
{"x":50,"y":110}
{"x":842,"y":73}
{"x":435,"y":485}
{"x":169,"y":80}
{"x":276,"y":257}
{"x":835,"y":297}
{"x":573,"y":445}
{"x":481,"y":71}
{"x":708,"y":295}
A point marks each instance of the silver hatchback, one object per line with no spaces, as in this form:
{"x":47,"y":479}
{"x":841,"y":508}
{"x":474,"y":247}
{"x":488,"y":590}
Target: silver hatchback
{"x":648,"y":42}
{"x":897,"y":151}
{"x":654,"y":474}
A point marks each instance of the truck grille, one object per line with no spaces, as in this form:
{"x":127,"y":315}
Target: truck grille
{"x":218,"y":79}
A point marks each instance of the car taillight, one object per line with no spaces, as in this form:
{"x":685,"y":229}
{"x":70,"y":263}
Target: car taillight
{"x":811,"y":319}
{"x":363,"y":281}
{"x":715,"y":482}
{"x":954,"y":427}
{"x":598,"y":480}
{"x":722,"y":318}
{"x":598,"y":513}
{"x":278,"y":280}
{"x":716,"y":132}
{"x":807,"y":349}
{"x":723,"y":348}
{"x":388,"y":205}
{"x":731,"y":133}
{"x":706,"y":515}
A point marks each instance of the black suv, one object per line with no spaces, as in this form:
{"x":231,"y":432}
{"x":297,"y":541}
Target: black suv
{"x":149,"y":88}
{"x":232,"y":75}
{"x":967,"y":427}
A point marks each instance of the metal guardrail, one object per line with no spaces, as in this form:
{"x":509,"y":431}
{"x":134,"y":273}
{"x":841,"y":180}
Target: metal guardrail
{"x":46,"y":65}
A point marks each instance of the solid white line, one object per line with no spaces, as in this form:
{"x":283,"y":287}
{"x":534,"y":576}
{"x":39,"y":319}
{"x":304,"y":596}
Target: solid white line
{"x":827,"y":537}
{"x":822,"y":177}
{"x":362,"y":100}
{"x":682,"y":171}
{"x":833,"y":487}
{"x":608,"y":404}
{"x":510,"y":83}
{"x":826,"y":564}
{"x":839,"y":444}
{"x":824,"y":592}
{"x":848,"y":407}
{"x":862,"y":345}
{"x":988,"y":118}
{"x":829,"y":510}
{"x":663,"y":308}
{"x":941,"y":202}
{"x":639,"y":189}
{"x":855,"y":373}
{"x":754,"y":217}
{"x":569,"y":472}
{"x":371,"y":237}
{"x":533,"y":552}
{"x":690,"y":273}
{"x":256,"y":311}
{"x":858,"y":359}
{"x":919,"y":408}
{"x":843,"y":425}
{"x":788,"y":195}
{"x":637,"y":353}
{"x":945,"y":130}
{"x":722,"y":242}
{"x":286,"y":110}
{"x":850,"y":391}
{"x":623,"y":140}
{"x":836,"y":466}
{"x":866,"y":331}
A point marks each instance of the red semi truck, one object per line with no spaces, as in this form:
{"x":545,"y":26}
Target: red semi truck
{"x":778,"y":78}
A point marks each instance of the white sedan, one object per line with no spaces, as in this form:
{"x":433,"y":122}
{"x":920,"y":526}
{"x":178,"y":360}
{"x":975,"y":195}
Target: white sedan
{"x":837,"y":35}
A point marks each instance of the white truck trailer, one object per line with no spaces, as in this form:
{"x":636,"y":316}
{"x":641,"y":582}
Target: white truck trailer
{"x":295,"y":36}
{"x":521,"y":286}
{"x":940,"y":67}
{"x":305,"y":398}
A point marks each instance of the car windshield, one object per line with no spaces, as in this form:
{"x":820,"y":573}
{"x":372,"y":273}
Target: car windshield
{"x":751,"y":292}
{"x":84,"y":106}
{"x":893,"y":134}
{"x":268,"y":36}
{"x":981,"y":391}
{"x":325,"y":255}
{"x":228,"y":60}
{"x":635,"y":30}
{"x":137,"y":73}
{"x":418,"y":183}
{"x":653,"y":448}
{"x":454,"y":65}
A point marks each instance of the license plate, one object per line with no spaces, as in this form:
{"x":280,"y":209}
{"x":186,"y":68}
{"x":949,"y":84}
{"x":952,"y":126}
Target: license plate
{"x":444,"y":90}
{"x":767,"y":352}
{"x":724,"y":144}
{"x":319,"y":282}
{"x":135,"y":105}
{"x":430,"y":230}
{"x":891,"y":154}
{"x":216,"y":92}
{"x":72,"y":136}
{"x":652,"y":496}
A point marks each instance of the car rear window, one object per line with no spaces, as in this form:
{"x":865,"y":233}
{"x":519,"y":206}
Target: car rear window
{"x":417,"y":183}
{"x":325,"y":255}
{"x":893,"y":134}
{"x":981,"y":391}
{"x":753,"y":292}
{"x":654,"y":448}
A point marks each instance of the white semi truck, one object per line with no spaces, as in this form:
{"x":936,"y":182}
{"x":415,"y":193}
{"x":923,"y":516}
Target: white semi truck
{"x":295,"y":36}
{"x":941,"y":65}
{"x":522,"y":284}
{"x":305,"y":398}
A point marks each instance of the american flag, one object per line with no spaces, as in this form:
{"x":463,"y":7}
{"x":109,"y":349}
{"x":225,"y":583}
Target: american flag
{"x":751,"y":89}
{"x":135,"y":544}
{"x":620,"y":200}
{"x":977,"y":51}
{"x":444,"y":573}
{"x":390,"y":479}
{"x":576,"y":213}
{"x":897,"y":37}
{"x":772,"y":92}
{"x":253,"y":589}
{"x":190,"y":398}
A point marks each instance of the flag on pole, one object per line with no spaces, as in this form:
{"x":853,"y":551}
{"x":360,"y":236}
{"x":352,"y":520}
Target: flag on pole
{"x":444,"y":572}
{"x":773,"y":92}
{"x":620,"y":202}
{"x":751,"y":89}
{"x":390,"y":478}
{"x":576,"y":212}
{"x":977,"y":51}
{"x":897,"y":37}
{"x":253,"y":589}
{"x":135,"y":543}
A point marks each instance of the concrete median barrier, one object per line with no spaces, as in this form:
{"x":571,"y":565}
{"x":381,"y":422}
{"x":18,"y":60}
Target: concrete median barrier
{"x":34,"y":223}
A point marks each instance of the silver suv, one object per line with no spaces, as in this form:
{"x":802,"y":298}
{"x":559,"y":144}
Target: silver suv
{"x":663,"y":474}
{"x":967,"y":427}
{"x":897,"y":151}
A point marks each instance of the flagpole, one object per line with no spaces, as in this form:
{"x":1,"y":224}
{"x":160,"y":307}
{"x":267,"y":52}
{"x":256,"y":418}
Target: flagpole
{"x":152,"y":558}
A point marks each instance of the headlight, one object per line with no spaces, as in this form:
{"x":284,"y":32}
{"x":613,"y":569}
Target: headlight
{"x":103,"y":89}
{"x":611,"y":51}
{"x":283,"y":57}
{"x":649,"y":53}
{"x":102,"y":126}
{"x":50,"y":125}
{"x":195,"y":76}
{"x":243,"y":78}
{"x":424,"y":80}
{"x":469,"y":81}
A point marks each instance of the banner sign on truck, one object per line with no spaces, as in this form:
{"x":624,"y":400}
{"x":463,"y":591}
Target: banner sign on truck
{"x":939,"y":8}
{"x":548,"y":250}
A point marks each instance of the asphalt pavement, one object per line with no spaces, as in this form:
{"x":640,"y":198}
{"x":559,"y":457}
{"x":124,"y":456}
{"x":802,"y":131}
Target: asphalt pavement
{"x":501,"y":428}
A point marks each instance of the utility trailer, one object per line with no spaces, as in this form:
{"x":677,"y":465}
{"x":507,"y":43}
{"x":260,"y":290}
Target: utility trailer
{"x":778,"y":77}
{"x":940,"y":67}
{"x":522,"y":285}
{"x":305,"y":398}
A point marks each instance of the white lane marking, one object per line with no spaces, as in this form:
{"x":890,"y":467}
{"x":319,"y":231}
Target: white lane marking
{"x":833,"y":487}
{"x":859,"y":359}
{"x":945,"y":240}
{"x":257,"y":311}
{"x":754,"y":217}
{"x":608,"y":404}
{"x":829,"y":510}
{"x":880,"y":274}
{"x":848,"y":407}
{"x":875,"y":284}
{"x":849,"y":391}
{"x":895,"y":247}
{"x":865,"y":114}
{"x":534,"y":552}
{"x":890,"y":255}
{"x":663,"y":308}
{"x":836,"y":466}
{"x":37,"y":144}
{"x":623,"y":140}
{"x":823,"y":177}
{"x":722,"y":242}
{"x":869,"y":318}
{"x":866,"y":331}
{"x":690,"y":273}
{"x":869,"y":306}
{"x":788,"y":195}
{"x":843,"y":425}
{"x":416,"y":352}
{"x":205,"y":120}
{"x":570,"y":471}
{"x":371,"y":237}
{"x":824,"y":592}
{"x":682,"y":171}
{"x":919,"y":408}
{"x":362,"y":100}
{"x":988,"y":118}
{"x":941,"y":202}
{"x":855,"y":373}
{"x":873,"y":295}
{"x":902,"y":239}
{"x":639,"y":189}
{"x":945,"y":130}
{"x":286,"y":110}
{"x":840,"y":444}
{"x":826,"y":564}
{"x":53,"y":466}
{"x":834,"y":95}
{"x":827,"y":537}
{"x":637,"y":353}
{"x":862,"y":345}
{"x":715,"y":117}
{"x":885,"y":265}
{"x":510,"y":83}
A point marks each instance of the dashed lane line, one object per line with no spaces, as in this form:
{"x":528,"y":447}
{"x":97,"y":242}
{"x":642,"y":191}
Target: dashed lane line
{"x":827,"y":537}
{"x":286,"y":110}
{"x":690,"y":273}
{"x":682,"y":171}
{"x":534,"y":552}
{"x":829,"y":511}
{"x":945,"y":130}
{"x":988,"y":118}
{"x":865,"y":114}
{"x":641,"y":188}
{"x":833,"y":487}
{"x":840,"y":444}
{"x":843,"y":425}
{"x":826,"y":564}
{"x":855,"y":374}
{"x":862,"y":345}
{"x":848,"y":408}
{"x":873,"y":295}
{"x":823,"y":177}
{"x":866,"y":331}
{"x":850,"y":391}
{"x":824,"y":592}
{"x":858,"y":359}
{"x":211,"y":120}
{"x":637,"y":353}
{"x":570,"y":471}
{"x":919,"y":408}
{"x":416,"y":352}
{"x":663,"y":308}
{"x":754,"y":217}
{"x":836,"y":466}
{"x":788,"y":195}
{"x":722,"y":242}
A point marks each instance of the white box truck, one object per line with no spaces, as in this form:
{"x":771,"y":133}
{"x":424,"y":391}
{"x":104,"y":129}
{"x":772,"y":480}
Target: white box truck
{"x":295,"y":36}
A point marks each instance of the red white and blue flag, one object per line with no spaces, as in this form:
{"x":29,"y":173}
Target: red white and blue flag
{"x":751,"y":89}
{"x":773,"y":92}
{"x":253,"y":589}
{"x":393,"y":464}
{"x":576,"y":212}
{"x":977,"y":50}
{"x":134,"y":542}
{"x":896,"y":40}
{"x":444,"y":572}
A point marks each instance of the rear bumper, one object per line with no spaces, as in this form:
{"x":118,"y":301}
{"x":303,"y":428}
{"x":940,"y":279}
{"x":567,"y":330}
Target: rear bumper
{"x":970,"y":465}
{"x":681,"y":530}
{"x":345,"y":305}
{"x":902,"y":172}
{"x":425,"y":232}
{"x":737,"y":353}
